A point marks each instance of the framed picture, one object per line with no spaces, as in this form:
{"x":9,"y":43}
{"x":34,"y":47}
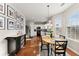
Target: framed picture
{"x":2,"y":22}
{"x":17,"y":15}
{"x":17,"y":24}
{"x":22,"y":23}
{"x":2,"y":8}
{"x":22,"y":27}
{"x":10,"y":12}
{"x":10,"y":24}
{"x":21,"y":20}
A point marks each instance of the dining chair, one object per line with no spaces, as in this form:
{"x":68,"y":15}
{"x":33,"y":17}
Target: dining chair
{"x":61,"y":36}
{"x":43,"y":44}
{"x":60,"y":47}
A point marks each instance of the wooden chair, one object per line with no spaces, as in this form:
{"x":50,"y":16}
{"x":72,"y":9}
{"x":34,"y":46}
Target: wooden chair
{"x":60,"y":47}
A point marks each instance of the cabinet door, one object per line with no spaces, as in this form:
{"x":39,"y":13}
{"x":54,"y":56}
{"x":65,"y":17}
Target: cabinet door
{"x":22,"y":41}
{"x":18,"y":39}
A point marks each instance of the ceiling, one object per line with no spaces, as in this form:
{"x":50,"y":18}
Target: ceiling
{"x":38,"y":12}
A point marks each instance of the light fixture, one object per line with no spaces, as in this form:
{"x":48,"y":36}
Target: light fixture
{"x":48,"y":10}
{"x":62,"y":4}
{"x":48,"y":14}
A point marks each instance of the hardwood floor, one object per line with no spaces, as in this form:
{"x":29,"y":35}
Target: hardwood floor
{"x":32,"y":48}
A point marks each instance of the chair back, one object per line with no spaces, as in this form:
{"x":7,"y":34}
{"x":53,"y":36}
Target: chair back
{"x":60,"y":46}
{"x":61,"y":36}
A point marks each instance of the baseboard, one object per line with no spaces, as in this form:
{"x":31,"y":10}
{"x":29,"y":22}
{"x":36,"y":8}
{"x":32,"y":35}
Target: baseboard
{"x":28,"y":39}
{"x":73,"y":51}
{"x":38,"y":55}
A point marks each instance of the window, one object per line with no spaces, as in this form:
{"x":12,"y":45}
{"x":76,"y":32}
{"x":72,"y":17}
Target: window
{"x":73,"y":28}
{"x":58,"y":24}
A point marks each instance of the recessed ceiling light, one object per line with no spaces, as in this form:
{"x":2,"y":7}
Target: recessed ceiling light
{"x":48,"y":5}
{"x":62,"y":4}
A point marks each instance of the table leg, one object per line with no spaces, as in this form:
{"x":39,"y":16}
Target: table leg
{"x":48,"y":49}
{"x":51,"y":50}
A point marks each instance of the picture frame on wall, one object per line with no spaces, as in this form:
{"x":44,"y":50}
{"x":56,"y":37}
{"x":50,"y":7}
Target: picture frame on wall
{"x":2,"y":8}
{"x":10,"y":12}
{"x":17,"y":24}
{"x":2,"y":22}
{"x":17,"y":14}
{"x":10,"y":24}
{"x":22,"y":22}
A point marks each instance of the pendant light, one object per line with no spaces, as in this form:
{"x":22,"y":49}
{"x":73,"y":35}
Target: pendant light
{"x":48,"y":12}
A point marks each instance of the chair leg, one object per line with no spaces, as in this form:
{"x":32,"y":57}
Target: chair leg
{"x":64,"y":54}
{"x":51,"y":51}
{"x":55,"y":54}
{"x":41,"y":47}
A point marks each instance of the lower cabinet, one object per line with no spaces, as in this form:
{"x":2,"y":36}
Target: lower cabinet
{"x":15,"y":44}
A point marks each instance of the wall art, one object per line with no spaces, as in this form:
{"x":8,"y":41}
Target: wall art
{"x":2,"y":8}
{"x":10,"y":11}
{"x":10,"y":24}
{"x":2,"y":22}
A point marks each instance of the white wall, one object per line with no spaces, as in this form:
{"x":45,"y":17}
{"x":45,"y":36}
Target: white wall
{"x":5,"y":33}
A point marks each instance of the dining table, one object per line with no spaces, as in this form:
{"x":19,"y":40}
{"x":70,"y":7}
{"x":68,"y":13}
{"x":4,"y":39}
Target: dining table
{"x":50,"y":41}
